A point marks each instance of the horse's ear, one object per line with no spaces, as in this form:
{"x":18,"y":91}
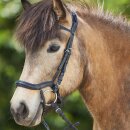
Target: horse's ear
{"x":59,"y":9}
{"x":26,"y":4}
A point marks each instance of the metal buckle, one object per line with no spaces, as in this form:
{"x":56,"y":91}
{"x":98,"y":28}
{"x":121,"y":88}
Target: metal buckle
{"x":56,"y":97}
{"x":68,"y":50}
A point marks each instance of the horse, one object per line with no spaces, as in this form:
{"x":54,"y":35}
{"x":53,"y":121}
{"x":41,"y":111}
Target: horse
{"x":99,"y":65}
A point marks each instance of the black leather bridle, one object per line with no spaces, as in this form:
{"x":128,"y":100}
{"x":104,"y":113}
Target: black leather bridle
{"x":58,"y":77}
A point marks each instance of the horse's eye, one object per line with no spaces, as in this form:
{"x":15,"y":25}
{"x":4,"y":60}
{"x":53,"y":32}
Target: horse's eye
{"x":53,"y":48}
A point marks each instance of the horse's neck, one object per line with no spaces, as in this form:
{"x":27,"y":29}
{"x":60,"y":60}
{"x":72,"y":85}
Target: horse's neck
{"x":107,"y":88}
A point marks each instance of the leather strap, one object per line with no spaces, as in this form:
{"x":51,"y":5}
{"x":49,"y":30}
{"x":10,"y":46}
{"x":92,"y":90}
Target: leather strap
{"x":33,"y":86}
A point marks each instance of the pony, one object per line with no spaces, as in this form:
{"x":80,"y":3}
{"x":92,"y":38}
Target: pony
{"x":99,"y":66}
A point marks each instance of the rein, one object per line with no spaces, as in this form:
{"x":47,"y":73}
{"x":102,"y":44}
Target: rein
{"x":57,"y":79}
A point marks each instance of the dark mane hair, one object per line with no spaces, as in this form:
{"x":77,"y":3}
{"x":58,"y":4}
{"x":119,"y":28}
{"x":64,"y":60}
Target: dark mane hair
{"x":39,"y":23}
{"x":36,"y":25}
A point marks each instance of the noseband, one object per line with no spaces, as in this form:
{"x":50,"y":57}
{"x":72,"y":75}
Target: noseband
{"x":58,"y":77}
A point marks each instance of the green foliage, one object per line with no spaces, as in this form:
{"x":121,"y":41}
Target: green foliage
{"x":12,"y":59}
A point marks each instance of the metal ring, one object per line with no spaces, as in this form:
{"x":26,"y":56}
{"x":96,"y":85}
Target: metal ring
{"x":55,"y":97}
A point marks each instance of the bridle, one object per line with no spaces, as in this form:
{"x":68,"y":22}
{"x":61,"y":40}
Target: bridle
{"x":58,"y":77}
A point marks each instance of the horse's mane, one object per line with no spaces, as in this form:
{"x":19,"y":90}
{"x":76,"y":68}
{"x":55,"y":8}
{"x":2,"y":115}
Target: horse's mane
{"x":39,"y":23}
{"x":98,"y":13}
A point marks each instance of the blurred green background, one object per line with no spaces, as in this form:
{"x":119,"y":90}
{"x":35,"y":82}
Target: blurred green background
{"x":11,"y":64}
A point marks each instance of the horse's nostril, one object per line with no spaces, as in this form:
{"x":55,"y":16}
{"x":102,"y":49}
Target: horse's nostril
{"x":22,"y":111}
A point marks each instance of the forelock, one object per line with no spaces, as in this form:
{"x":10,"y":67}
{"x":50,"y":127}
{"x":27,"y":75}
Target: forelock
{"x":36,"y":25}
